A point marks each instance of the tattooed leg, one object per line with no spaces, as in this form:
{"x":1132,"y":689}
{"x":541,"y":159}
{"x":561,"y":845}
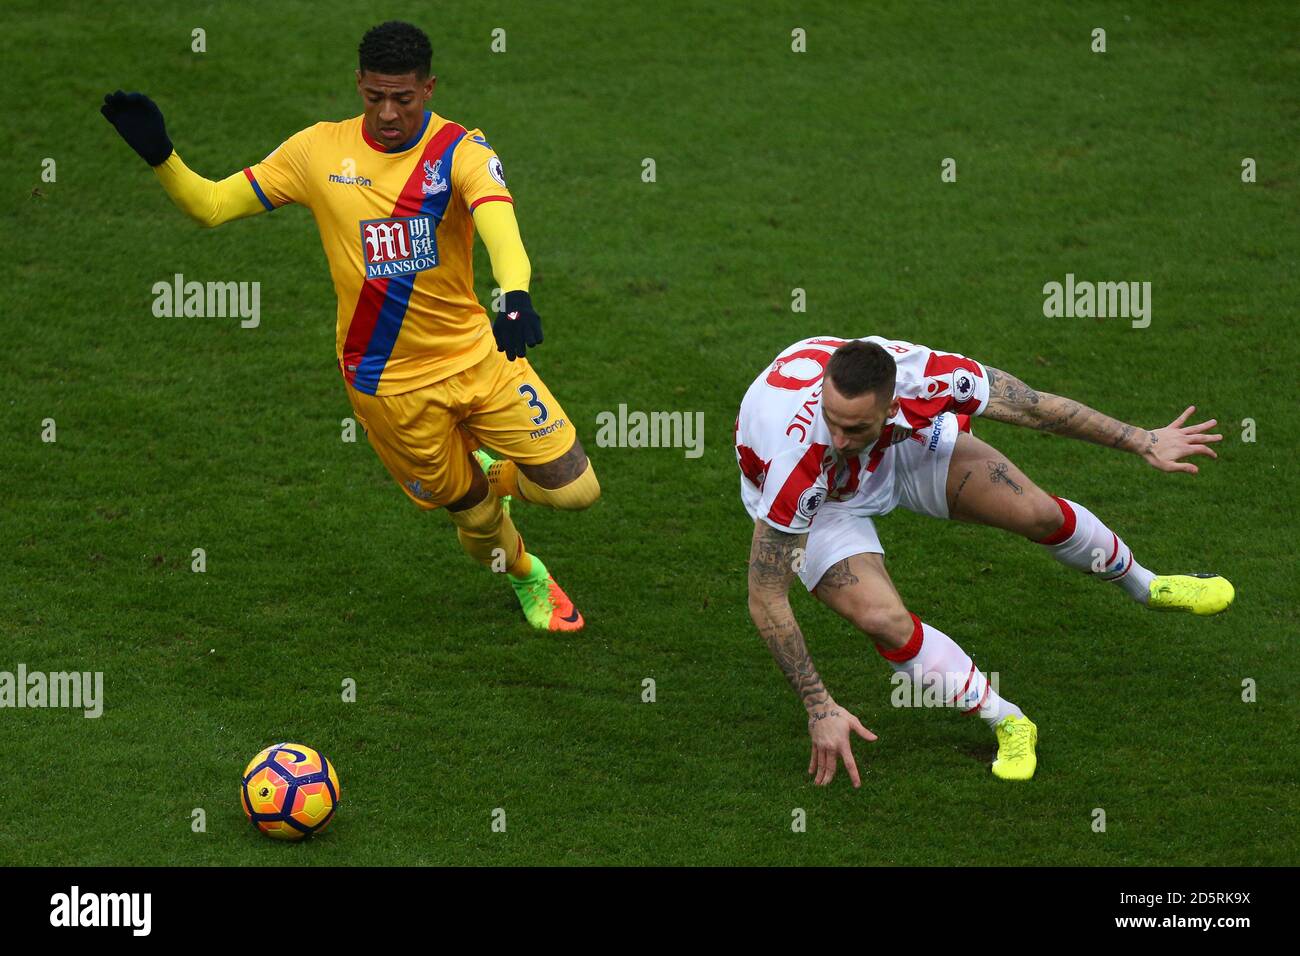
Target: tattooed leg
{"x":954,"y":496}
{"x":926,"y":654}
{"x":839,"y":575}
{"x":859,"y":590}
{"x":561,"y":471}
{"x":998,"y":473}
{"x":568,"y":483}
{"x":1003,"y":498}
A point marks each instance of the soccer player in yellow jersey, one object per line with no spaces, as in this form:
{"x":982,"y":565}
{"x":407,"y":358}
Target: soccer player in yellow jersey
{"x":397,"y":194}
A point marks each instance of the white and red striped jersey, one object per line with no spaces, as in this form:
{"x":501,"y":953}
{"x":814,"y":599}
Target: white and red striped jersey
{"x":787,"y":460}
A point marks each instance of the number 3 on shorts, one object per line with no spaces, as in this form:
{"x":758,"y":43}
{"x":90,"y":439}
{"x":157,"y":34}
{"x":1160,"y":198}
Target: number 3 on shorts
{"x":534,"y":402}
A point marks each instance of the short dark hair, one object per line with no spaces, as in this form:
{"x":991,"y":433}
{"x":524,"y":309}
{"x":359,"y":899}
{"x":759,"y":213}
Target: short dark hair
{"x":394,"y":48}
{"x":860,"y":367}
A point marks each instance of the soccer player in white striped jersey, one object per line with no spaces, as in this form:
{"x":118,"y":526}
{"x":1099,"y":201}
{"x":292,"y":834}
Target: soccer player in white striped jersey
{"x":837,"y":431}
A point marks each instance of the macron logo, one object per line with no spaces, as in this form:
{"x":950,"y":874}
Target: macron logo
{"x":347,"y":179}
{"x":102,"y":909}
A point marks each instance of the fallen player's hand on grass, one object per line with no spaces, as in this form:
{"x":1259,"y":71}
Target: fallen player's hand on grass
{"x":1165,"y":446}
{"x":831,"y":728}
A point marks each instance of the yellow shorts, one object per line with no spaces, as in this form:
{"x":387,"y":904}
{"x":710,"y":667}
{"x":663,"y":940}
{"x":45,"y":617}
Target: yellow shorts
{"x":425,"y":437}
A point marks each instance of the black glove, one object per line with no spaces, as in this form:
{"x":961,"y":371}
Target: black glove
{"x":139,"y":121}
{"x":517,"y":328}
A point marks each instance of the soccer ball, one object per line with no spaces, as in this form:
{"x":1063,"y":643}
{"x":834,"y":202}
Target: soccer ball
{"x":289,"y":791}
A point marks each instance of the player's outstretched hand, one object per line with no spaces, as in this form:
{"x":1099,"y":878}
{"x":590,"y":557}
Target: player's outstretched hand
{"x":518,"y":327}
{"x":138,"y":120}
{"x":1166,"y":446}
{"x":832,"y":729}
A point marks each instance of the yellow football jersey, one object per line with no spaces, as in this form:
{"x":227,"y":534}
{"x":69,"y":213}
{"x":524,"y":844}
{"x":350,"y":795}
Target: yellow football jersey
{"x":399,"y":235}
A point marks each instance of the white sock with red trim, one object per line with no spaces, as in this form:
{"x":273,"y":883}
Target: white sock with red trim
{"x":1087,"y":545}
{"x":934,"y":661}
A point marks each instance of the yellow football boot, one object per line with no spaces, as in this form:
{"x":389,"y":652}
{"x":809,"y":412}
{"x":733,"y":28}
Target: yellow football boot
{"x":1017,"y":740}
{"x":1198,"y":593}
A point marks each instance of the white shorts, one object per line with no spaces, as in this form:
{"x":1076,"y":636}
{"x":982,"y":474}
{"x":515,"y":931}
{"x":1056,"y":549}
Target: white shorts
{"x":920,"y":484}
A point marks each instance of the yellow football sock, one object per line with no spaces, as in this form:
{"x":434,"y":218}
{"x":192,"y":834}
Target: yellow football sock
{"x":580,"y":493}
{"x":489,"y":537}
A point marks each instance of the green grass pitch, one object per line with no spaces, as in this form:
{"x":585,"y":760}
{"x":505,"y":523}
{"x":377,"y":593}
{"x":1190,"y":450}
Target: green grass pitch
{"x":776,"y":170}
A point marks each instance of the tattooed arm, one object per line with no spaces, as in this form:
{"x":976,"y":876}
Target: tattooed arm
{"x":1014,"y":402}
{"x":772,"y":561}
{"x":772,"y":558}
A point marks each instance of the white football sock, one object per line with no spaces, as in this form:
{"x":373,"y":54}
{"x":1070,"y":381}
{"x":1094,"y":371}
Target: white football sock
{"x":933,"y":659}
{"x":1087,"y":545}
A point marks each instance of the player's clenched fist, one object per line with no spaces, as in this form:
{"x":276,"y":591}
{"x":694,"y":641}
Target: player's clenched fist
{"x":518,"y":327}
{"x":138,"y":120}
{"x":832,"y":728}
